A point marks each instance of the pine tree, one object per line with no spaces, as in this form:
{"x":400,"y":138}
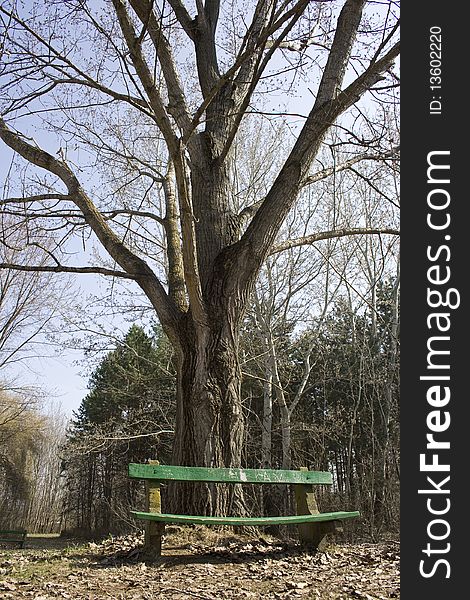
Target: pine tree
{"x":126,"y":417}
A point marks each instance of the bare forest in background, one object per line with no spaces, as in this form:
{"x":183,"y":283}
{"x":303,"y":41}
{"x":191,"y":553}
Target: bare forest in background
{"x":325,"y":397}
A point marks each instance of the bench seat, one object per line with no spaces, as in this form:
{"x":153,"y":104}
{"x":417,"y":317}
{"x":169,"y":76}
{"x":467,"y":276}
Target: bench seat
{"x":255,"y":521}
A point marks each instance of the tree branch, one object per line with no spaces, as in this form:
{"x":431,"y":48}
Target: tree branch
{"x":206,"y":53}
{"x":248,"y":77}
{"x":189,"y":245}
{"x":145,"y":75}
{"x":261,"y":232}
{"x":130,"y":262}
{"x":176,"y":283}
{"x":177,"y":106}
{"x":335,"y":68}
{"x":292,"y":45}
{"x":247,"y":255}
{"x":86,"y":79}
{"x":250,"y":210}
{"x":243,"y":77}
{"x":324,"y":173}
{"x":111,"y":214}
{"x":34,"y":198}
{"x":184,"y":18}
{"x":67,"y":269}
{"x":326,"y":235}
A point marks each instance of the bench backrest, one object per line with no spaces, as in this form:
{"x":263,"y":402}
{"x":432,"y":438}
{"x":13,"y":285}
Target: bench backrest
{"x":224,"y":475}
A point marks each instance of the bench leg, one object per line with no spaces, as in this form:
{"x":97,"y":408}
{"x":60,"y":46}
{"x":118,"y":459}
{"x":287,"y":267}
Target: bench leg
{"x":153,"y":530}
{"x":311,"y":535}
{"x":153,"y":538}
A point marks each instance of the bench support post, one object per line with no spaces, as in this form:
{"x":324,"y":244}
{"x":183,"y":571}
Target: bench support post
{"x":153,"y":530}
{"x":311,"y":535}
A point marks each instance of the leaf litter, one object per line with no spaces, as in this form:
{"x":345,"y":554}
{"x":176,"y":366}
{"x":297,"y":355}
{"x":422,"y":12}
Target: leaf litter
{"x":234,"y":569}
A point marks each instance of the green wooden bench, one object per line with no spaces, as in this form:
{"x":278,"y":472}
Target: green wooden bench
{"x":313,"y":525}
{"x":14,"y":536}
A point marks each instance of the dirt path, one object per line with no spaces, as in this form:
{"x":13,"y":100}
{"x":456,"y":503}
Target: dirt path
{"x":207,"y":569}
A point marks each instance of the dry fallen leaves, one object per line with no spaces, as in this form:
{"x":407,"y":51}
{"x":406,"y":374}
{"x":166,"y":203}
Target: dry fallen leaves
{"x":116,"y":569}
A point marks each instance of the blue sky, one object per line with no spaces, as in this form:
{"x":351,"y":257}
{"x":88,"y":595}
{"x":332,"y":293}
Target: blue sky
{"x":55,"y":371}
{"x":59,"y":377}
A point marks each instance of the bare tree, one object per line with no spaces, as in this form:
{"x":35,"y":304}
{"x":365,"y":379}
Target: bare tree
{"x":45,"y":501}
{"x":191,"y":103}
{"x":20,"y":438}
{"x":28,"y":300}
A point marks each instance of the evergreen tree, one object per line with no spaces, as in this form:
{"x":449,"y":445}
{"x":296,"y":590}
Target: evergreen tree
{"x":127,"y":416}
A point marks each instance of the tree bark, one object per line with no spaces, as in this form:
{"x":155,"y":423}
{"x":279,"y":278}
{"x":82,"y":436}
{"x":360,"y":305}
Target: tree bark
{"x":209,"y":427}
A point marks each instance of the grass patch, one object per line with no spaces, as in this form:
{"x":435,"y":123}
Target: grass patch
{"x":32,"y":564}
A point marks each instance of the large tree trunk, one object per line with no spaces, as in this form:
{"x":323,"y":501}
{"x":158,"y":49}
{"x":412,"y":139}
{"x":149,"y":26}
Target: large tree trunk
{"x":209,"y":419}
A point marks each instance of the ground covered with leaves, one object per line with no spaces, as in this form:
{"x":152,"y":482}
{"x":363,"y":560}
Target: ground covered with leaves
{"x":198,"y":565}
